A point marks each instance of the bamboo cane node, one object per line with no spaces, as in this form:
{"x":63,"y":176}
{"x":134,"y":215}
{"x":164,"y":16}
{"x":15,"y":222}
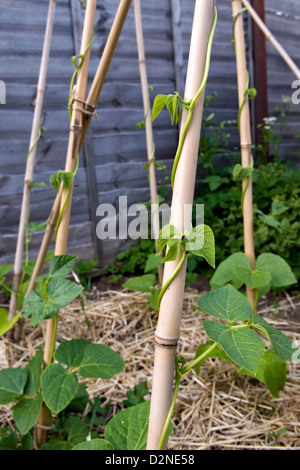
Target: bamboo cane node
{"x":246,"y":146}
{"x":171,"y":342}
{"x":87,"y":109}
{"x":166,"y":346}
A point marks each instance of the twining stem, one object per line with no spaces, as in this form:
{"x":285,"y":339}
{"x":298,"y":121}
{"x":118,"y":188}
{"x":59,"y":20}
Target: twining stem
{"x":178,"y":375}
{"x":178,"y":267}
{"x":190,"y":105}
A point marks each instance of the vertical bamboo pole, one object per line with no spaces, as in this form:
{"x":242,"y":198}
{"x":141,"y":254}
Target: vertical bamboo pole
{"x":73,"y":148}
{"x":281,"y":51}
{"x":91,"y":103}
{"x":148,"y":125}
{"x":71,"y":161}
{"x":245,"y":138}
{"x":31,"y":159}
{"x":168,"y":327}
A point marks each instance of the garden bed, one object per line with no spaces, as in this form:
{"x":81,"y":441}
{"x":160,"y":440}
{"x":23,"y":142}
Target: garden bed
{"x":214,"y":410}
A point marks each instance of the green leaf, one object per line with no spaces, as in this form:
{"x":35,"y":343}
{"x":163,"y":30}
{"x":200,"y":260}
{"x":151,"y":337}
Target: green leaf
{"x":77,"y":430}
{"x":226,"y":303}
{"x":158,"y":105}
{"x":12,"y":383}
{"x":71,"y":352}
{"x":33,"y":307}
{"x":55,"y":443}
{"x":79,"y":402}
{"x":4,"y":270}
{"x":59,"y":387}
{"x":152,"y":262}
{"x":281,"y":273}
{"x":173,"y":251}
{"x":236,"y":171}
{"x":26,"y":413}
{"x":136,"y":396}
{"x":61,"y":266}
{"x":226,"y":271}
{"x":243,"y":345}
{"x":152,"y":299}
{"x":34,"y":371}
{"x":59,"y":293}
{"x":128,"y":429}
{"x":9,"y":442}
{"x":283,"y":346}
{"x":278,"y":208}
{"x":64,"y":177}
{"x":217,"y":352}
{"x":100,"y":361}
{"x":94,"y":444}
{"x":272,"y":371}
{"x":200,"y":241}
{"x":5,"y":324}
{"x":166,"y":233}
{"x":253,"y":279}
{"x":143,"y":283}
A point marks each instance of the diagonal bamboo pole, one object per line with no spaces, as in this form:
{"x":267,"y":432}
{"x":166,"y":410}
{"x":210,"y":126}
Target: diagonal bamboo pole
{"x":148,"y":126}
{"x":91,"y":103}
{"x":70,"y":166}
{"x":281,"y":51}
{"x":168,"y":327}
{"x":35,"y":130}
{"x":245,"y":138}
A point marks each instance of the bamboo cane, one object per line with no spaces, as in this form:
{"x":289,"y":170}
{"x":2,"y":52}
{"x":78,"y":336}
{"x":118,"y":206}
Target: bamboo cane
{"x":71,"y":161}
{"x":272,"y":39}
{"x":31,"y":160}
{"x":245,"y":138}
{"x":91,"y":103}
{"x":168,"y":327}
{"x":105,"y":61}
{"x":148,"y":125}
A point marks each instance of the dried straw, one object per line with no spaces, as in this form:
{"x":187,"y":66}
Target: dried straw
{"x":214,"y":410}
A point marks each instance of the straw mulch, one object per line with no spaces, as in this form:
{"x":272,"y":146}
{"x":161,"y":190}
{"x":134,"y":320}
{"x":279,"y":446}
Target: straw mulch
{"x":214,"y":410}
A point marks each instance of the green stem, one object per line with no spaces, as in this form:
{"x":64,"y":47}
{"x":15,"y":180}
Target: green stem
{"x":166,"y":285}
{"x":66,"y":198}
{"x":171,"y":410}
{"x":199,"y":359}
{"x":53,"y":339}
{"x":190,"y":106}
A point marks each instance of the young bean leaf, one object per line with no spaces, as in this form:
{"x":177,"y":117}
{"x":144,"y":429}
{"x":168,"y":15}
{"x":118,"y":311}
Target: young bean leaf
{"x":281,"y":273}
{"x":283,"y":346}
{"x":26,"y":413}
{"x":173,"y":251}
{"x":100,"y":361}
{"x":272,"y":371}
{"x":61,"y":266}
{"x":200,"y":241}
{"x":58,"y":387}
{"x":226,"y":271}
{"x":253,"y":279}
{"x":158,"y":105}
{"x":70,"y":352}
{"x":243,"y":346}
{"x":165,"y":234}
{"x":226,"y":303}
{"x":12,"y":383}
{"x":143,"y":283}
{"x":127,"y":430}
